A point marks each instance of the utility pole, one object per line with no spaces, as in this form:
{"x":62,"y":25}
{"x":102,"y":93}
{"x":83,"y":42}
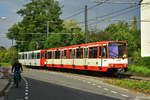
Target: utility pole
{"x":47,"y":29}
{"x":86,"y":26}
{"x":12,"y":42}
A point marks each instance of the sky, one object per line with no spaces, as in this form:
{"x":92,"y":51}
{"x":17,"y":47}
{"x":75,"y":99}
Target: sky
{"x":8,"y":9}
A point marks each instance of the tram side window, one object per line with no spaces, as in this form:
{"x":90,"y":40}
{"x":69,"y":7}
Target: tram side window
{"x":68,"y":54}
{"x":49,"y":55}
{"x":38,"y":55}
{"x":35,"y":55}
{"x":64,"y":54}
{"x":57,"y":54}
{"x":43,"y":55}
{"x":104,"y":52}
{"x":79,"y":53}
{"x":25,"y":56}
{"x":72,"y":53}
{"x":61,"y":54}
{"x":32,"y":56}
{"x":19,"y":56}
{"x":28,"y":56}
{"x":85,"y":52}
{"x":22,"y":56}
{"x":100,"y":52}
{"x":53,"y":54}
{"x":93,"y":52}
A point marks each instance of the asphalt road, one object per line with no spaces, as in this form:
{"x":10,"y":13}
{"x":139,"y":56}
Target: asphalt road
{"x":38,"y":90}
{"x":48,"y":85}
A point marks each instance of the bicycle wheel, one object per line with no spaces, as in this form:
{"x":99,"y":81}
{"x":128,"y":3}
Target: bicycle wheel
{"x":17,"y":83}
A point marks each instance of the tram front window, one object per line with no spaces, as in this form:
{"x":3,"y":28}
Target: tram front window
{"x":117,"y":50}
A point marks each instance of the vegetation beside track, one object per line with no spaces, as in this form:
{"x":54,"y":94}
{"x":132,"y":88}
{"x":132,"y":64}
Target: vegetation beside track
{"x":8,"y":65}
{"x":139,"y":70}
{"x":5,"y":64}
{"x":140,"y":86}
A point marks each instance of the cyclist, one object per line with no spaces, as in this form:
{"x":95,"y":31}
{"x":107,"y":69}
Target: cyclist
{"x":17,"y":69}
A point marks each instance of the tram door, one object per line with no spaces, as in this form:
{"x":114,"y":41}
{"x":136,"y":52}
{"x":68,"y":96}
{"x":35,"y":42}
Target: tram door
{"x":100,"y":59}
{"x":103,"y":55}
{"x":43,"y":58}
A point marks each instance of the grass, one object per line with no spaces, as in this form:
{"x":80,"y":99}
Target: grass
{"x":139,"y":70}
{"x":140,"y":86}
{"x":5,"y":64}
{"x":8,"y":65}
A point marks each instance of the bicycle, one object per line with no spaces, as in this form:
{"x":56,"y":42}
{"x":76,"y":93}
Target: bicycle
{"x":17,"y":78}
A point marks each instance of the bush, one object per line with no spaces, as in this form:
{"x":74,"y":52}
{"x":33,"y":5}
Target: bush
{"x":136,"y":57}
{"x":9,"y":56}
{"x":139,"y":70}
{"x":146,"y":61}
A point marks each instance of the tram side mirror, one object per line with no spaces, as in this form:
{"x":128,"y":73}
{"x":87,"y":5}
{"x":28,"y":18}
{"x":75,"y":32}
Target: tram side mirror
{"x":124,"y":56}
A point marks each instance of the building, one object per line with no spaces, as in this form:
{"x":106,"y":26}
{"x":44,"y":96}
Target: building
{"x":145,"y":28}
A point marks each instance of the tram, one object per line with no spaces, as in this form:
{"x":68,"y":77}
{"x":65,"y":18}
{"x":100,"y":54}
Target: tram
{"x":105,"y":56}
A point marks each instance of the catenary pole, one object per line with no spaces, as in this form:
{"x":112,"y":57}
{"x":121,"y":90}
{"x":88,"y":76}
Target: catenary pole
{"x":47,"y":29}
{"x":86,"y":26}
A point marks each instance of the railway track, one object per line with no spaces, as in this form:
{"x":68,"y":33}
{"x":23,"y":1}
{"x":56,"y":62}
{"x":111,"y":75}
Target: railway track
{"x":100,"y":74}
{"x":140,"y":78}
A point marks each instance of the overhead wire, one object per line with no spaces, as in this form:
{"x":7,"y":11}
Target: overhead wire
{"x":109,"y":19}
{"x":145,"y":4}
{"x":118,"y":12}
{"x":82,"y":10}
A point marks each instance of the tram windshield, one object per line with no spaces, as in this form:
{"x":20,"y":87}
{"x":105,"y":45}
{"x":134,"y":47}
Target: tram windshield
{"x":117,"y":50}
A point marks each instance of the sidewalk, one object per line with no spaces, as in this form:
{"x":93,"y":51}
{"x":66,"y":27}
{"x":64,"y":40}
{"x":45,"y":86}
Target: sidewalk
{"x":3,"y":85}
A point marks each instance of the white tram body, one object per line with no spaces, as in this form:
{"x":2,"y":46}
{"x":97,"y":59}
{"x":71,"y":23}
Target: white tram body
{"x":30,"y":58}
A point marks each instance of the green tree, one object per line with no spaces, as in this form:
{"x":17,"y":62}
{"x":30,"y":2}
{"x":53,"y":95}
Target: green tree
{"x":64,"y":39}
{"x":70,"y":35}
{"x":8,"y":56}
{"x":2,"y":53}
{"x":120,"y":31}
{"x":57,"y":40}
{"x":95,"y":36}
{"x":2,"y":49}
{"x":107,"y":34}
{"x":74,"y":32}
{"x":71,"y":25}
{"x":134,"y":23}
{"x":36,"y":15}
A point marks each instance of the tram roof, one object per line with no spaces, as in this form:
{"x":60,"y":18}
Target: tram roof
{"x":75,"y":46}
{"x":86,"y":45}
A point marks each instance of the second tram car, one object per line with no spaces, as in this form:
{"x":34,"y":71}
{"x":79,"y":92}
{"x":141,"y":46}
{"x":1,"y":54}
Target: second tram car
{"x":106,"y":56}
